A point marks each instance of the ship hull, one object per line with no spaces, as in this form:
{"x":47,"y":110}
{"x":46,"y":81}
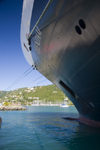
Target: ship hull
{"x":65,"y":47}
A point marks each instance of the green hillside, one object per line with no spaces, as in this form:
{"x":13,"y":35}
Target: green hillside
{"x":44,"y":94}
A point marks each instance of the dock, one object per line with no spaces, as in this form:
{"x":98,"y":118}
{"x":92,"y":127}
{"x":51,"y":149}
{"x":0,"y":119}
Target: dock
{"x":12,"y":108}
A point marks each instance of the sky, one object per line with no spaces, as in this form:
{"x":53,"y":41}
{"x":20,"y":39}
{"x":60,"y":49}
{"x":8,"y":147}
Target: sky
{"x":12,"y":61}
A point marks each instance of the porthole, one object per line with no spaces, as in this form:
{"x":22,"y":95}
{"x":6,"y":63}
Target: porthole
{"x":82,"y":24}
{"x":78,"y":29}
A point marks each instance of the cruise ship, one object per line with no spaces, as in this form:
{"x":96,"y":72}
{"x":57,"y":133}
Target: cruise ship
{"x":61,"y":39}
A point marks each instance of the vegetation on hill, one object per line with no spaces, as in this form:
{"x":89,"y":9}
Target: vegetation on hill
{"x":44,"y":94}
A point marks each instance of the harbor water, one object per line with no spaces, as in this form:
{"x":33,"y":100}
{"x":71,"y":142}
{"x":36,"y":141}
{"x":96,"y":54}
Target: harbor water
{"x":45,"y":128}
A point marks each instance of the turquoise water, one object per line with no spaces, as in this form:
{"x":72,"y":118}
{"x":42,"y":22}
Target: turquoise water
{"x":44,"y":128}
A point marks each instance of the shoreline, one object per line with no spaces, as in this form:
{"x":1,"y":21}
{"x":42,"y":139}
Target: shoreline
{"x":43,"y":104}
{"x":22,"y":108}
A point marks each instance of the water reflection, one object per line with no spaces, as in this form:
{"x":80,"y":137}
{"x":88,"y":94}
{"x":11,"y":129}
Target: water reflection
{"x":69,"y":134}
{"x":44,"y":130}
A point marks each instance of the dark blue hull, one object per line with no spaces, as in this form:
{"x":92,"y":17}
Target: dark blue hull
{"x":65,"y":47}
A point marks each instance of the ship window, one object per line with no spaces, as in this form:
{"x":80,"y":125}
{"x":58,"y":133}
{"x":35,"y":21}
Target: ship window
{"x":78,"y":30}
{"x":38,"y":8}
{"x":82,"y":24}
{"x":67,"y":88}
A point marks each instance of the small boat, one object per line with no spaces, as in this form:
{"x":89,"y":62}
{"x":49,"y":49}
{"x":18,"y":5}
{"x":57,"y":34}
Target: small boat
{"x":64,"y":105}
